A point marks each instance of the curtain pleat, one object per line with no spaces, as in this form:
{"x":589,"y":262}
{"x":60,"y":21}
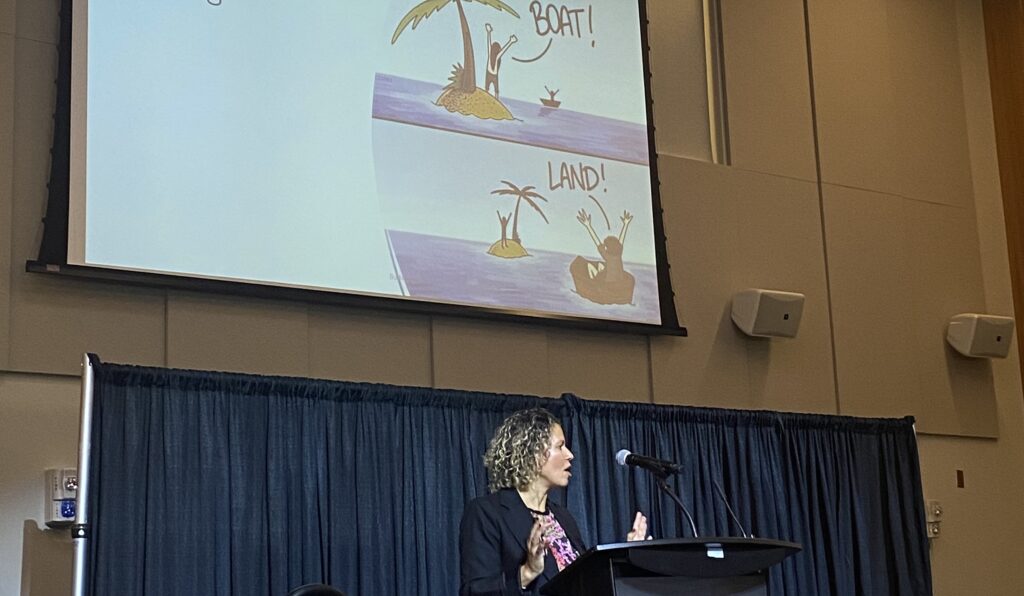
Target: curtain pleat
{"x":211,"y":483}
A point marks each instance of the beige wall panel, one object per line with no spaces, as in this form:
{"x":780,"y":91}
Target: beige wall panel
{"x":767,"y":87}
{"x":38,"y":20}
{"x":735,"y":230}
{"x":679,"y":78}
{"x":978,"y":551}
{"x":7,"y":18}
{"x":356,"y":345}
{"x":6,"y":182}
{"x":988,"y":204}
{"x":599,"y":365}
{"x":709,"y":367}
{"x":235,"y":334}
{"x":486,"y":356}
{"x":889,"y":98}
{"x":899,"y":269}
{"x":53,"y":321}
{"x":872,"y":305}
{"x":958,"y":394}
{"x":854,"y":84}
{"x":38,"y":430}
{"x":47,"y":562}
{"x":780,"y":243}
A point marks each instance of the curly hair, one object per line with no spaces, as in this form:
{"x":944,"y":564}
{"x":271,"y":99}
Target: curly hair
{"x":517,"y":450}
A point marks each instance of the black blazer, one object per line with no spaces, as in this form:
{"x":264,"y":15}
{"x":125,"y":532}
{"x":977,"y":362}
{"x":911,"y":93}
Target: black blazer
{"x":492,"y":544}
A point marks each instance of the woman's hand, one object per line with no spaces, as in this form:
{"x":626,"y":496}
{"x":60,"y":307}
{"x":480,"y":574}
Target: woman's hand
{"x":639,"y":531}
{"x":536,"y":548}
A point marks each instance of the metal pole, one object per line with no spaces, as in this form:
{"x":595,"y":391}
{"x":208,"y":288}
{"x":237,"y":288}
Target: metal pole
{"x":80,"y":529}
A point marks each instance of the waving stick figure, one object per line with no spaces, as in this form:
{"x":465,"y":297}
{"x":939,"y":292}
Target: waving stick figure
{"x":494,"y":53}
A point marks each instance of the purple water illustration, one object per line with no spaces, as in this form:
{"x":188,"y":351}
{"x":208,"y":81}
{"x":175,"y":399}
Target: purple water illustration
{"x":412,"y":102}
{"x":461,"y":271}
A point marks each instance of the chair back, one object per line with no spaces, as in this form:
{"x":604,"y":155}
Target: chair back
{"x":316,"y":590}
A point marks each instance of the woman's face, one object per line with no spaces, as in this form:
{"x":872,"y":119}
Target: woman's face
{"x":554,"y":470}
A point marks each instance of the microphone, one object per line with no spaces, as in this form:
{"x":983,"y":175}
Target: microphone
{"x":660,"y":467}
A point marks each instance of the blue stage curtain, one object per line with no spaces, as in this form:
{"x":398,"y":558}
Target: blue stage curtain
{"x":210,"y":483}
{"x":847,"y":489}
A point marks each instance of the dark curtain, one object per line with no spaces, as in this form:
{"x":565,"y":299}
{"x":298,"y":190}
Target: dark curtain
{"x":209,"y":483}
{"x":847,"y":489}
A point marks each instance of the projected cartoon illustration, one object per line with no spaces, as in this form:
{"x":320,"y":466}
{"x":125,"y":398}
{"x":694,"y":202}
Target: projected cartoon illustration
{"x":512,"y":249}
{"x":369,"y":146}
{"x":494,"y":53}
{"x":461,"y":94}
{"x":550,"y":101}
{"x":560,"y":110}
{"x":605,"y":281}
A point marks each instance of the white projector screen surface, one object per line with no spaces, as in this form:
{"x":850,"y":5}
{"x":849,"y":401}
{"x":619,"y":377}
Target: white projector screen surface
{"x":483,"y":153}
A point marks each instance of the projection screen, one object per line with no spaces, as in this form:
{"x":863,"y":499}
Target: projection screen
{"x":480,"y":153}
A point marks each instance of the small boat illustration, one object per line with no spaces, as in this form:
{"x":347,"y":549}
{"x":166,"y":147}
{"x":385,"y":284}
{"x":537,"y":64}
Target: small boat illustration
{"x":550,"y":102}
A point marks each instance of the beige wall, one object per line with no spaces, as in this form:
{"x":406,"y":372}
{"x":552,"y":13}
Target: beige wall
{"x":38,"y":430}
{"x":903,"y":229}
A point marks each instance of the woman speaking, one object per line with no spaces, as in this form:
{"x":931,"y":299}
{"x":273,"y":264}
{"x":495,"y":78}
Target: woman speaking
{"x":515,"y":539}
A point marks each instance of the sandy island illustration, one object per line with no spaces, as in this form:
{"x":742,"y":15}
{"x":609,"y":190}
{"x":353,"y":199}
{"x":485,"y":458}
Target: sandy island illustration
{"x":461,"y":93}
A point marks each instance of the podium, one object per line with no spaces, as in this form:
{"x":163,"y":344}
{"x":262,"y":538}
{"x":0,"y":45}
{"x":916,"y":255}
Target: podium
{"x":712,"y":566}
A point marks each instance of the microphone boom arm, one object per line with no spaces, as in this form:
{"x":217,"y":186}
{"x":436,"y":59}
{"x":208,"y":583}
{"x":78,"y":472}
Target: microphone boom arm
{"x":663,"y":485}
{"x":725,"y":501}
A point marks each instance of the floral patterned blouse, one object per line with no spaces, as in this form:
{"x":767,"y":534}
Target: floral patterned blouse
{"x":558,"y":543}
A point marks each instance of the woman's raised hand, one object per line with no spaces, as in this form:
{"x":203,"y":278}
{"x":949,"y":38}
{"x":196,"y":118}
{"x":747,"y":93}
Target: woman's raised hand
{"x":639,"y":531}
{"x":536,"y":548}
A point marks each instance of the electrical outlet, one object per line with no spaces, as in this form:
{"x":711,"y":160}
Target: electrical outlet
{"x":933,"y":516}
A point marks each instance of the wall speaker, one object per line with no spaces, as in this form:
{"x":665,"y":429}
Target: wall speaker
{"x":767,"y":313}
{"x":980,"y":336}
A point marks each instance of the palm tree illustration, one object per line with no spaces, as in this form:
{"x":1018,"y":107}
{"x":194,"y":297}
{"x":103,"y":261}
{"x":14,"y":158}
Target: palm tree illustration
{"x":514,"y":247}
{"x":464,"y":78}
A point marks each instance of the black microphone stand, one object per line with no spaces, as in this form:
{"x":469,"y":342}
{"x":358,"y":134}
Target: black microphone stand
{"x":725,"y":501}
{"x":663,"y":485}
